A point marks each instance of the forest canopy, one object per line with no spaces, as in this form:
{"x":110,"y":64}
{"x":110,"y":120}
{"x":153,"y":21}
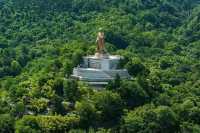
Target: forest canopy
{"x":42,"y":40}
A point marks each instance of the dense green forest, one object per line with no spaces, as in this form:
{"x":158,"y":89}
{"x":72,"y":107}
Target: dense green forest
{"x":42,"y":40}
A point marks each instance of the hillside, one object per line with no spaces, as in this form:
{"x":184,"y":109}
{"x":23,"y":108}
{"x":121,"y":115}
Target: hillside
{"x":42,"y":40}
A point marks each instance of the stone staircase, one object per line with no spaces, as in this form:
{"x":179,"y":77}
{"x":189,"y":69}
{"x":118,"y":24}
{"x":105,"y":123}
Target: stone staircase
{"x":91,"y":75}
{"x":98,"y":75}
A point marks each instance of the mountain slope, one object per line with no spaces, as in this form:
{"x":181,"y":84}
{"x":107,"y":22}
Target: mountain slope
{"x":42,"y":40}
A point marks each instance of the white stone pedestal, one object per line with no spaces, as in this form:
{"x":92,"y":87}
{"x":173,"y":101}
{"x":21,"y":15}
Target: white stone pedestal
{"x":99,"y":69}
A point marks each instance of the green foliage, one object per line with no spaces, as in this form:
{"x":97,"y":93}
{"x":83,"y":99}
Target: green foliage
{"x":27,"y":124}
{"x":71,"y":90}
{"x":148,"y":119}
{"x":115,"y":84}
{"x":15,"y":68}
{"x":41,"y":41}
{"x":135,"y":67}
{"x":133,"y":94}
{"x":189,"y":127}
{"x":68,"y":68}
{"x":49,"y":124}
{"x":87,"y":112}
{"x":109,"y":106}
{"x":6,"y":123}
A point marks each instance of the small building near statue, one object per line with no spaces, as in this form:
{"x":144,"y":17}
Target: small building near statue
{"x":100,"y":68}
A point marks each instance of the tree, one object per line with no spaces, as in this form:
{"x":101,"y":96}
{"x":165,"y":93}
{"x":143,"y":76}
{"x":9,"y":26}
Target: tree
{"x":115,"y":84}
{"x":188,"y":111}
{"x":132,"y":94}
{"x":68,"y":67}
{"x":71,"y":90}
{"x":39,"y":105}
{"x":132,"y":123}
{"x":41,"y":41}
{"x":6,"y":123}
{"x":109,"y":106}
{"x":87,"y":111}
{"x":188,"y":127}
{"x":58,"y":86}
{"x":19,"y":109}
{"x":135,"y":67}
{"x":166,"y":119}
{"x":39,"y":124}
{"x":2,"y":73}
{"x":27,"y":124}
{"x":150,"y":119}
{"x":77,"y":57}
{"x":3,"y":42}
{"x":166,"y":62}
{"x":23,"y":59}
{"x":15,"y":68}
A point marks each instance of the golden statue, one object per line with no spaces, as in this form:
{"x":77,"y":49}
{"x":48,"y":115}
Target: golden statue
{"x":100,"y":42}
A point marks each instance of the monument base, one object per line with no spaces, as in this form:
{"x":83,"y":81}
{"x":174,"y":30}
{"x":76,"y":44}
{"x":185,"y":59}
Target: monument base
{"x":101,"y":55}
{"x":96,"y":77}
{"x":100,"y":69}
